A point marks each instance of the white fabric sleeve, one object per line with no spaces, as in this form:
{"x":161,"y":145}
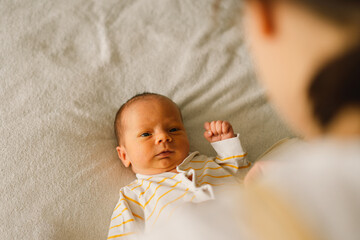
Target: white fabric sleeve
{"x":231,"y":156}
{"x":228,"y":147}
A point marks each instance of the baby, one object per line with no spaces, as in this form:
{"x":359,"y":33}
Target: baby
{"x":152,"y":141}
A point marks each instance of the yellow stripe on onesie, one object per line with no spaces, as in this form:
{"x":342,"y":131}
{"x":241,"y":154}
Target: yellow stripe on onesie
{"x":156,"y":197}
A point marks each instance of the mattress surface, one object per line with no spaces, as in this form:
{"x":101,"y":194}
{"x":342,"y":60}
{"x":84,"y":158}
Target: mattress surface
{"x":65,"y":69}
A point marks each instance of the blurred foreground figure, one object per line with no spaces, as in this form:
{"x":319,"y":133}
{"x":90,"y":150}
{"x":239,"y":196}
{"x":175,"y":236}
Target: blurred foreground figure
{"x":309,"y":192}
{"x":307,"y":55}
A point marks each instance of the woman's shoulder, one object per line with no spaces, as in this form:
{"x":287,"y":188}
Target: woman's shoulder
{"x":322,"y":180}
{"x":318,"y":158}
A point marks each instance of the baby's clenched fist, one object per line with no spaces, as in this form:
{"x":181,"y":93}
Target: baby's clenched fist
{"x":218,"y":130}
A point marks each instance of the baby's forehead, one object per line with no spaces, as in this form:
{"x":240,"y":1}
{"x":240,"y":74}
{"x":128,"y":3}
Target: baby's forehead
{"x":153,"y":100}
{"x":146,"y":103}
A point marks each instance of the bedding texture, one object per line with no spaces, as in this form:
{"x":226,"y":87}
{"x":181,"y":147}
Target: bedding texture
{"x":67,"y":66}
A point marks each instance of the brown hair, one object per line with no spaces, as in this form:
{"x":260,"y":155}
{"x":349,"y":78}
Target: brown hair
{"x":336,"y":85}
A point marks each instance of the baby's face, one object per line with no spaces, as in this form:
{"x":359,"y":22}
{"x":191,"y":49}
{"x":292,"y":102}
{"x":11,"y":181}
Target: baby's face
{"x":153,"y":136}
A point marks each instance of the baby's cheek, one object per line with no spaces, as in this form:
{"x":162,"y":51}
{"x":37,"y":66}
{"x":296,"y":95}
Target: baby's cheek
{"x":184,"y":146}
{"x":187,"y":145}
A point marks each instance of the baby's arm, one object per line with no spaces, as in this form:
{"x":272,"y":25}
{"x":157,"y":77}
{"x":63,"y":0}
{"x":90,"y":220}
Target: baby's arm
{"x":231,"y":155}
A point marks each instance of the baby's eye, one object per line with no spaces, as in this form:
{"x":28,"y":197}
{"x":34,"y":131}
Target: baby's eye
{"x":173,"y":130}
{"x":145,"y":135}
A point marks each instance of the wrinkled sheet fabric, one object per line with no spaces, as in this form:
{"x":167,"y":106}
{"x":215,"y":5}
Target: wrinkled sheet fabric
{"x":66,"y":67}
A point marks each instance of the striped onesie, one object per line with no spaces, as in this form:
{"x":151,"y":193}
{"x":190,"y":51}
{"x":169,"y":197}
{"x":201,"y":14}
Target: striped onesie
{"x":150,"y":198}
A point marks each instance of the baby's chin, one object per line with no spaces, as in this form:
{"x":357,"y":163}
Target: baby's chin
{"x":164,"y":165}
{"x":155,"y":171}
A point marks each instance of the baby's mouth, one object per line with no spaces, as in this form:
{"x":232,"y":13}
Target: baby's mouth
{"x":165,"y":153}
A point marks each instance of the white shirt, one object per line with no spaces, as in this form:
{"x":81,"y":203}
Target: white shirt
{"x":150,"y":198}
{"x":314,"y":185}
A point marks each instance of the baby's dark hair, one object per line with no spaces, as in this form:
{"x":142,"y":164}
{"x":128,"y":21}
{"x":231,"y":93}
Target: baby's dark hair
{"x":117,"y":122}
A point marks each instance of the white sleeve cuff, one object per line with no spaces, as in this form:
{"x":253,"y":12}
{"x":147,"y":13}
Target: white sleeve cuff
{"x":228,"y":147}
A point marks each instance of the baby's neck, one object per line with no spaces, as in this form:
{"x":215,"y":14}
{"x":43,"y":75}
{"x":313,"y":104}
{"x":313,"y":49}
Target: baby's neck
{"x":174,"y":170}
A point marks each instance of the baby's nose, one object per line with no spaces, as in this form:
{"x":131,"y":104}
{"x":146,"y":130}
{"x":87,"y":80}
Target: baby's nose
{"x":163,"y":137}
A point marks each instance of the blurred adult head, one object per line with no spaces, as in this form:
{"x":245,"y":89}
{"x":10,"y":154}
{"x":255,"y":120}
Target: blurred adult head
{"x":307,"y":54}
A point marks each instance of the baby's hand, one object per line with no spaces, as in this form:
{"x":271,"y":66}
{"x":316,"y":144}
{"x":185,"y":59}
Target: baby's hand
{"x":218,"y":130}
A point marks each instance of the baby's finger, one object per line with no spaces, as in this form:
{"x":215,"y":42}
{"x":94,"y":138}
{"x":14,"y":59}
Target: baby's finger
{"x":213,"y":127}
{"x":207,"y":135}
{"x":225,"y":127}
{"x":218,"y":127}
{"x":207,"y":126}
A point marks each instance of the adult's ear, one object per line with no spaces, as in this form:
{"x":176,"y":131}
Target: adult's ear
{"x":121,"y":151}
{"x":263,"y":15}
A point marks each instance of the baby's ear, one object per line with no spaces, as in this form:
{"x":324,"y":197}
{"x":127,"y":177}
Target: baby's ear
{"x":121,"y":151}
